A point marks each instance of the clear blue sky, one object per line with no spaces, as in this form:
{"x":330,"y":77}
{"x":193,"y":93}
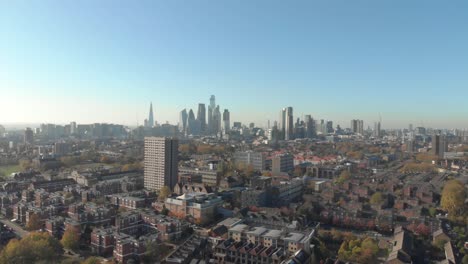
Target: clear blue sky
{"x":96,"y":61}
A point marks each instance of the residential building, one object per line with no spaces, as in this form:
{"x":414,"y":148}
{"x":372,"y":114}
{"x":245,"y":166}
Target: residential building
{"x":201,"y":207}
{"x":439,"y":145}
{"x":402,"y":248}
{"x":247,"y":244}
{"x":256,"y":159}
{"x":127,"y":247}
{"x":28,"y":136}
{"x":62,"y":148}
{"x":103,"y":241}
{"x":283,"y":163}
{"x":208,"y":177}
{"x":161,"y":162}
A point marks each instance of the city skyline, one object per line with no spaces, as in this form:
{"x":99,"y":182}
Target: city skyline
{"x":334,"y":62}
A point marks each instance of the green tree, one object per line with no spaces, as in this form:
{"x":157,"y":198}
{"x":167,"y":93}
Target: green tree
{"x":453,"y":197}
{"x":70,"y":161}
{"x":377,"y":198}
{"x":155,"y":251}
{"x":25,"y":164}
{"x":34,"y":223}
{"x":465,"y":259}
{"x":440,"y":244}
{"x":34,"y":248}
{"x":249,"y":170}
{"x":432,"y":211}
{"x":344,"y":176}
{"x":70,"y":239}
{"x":164,"y":193}
{"x":105,"y":159}
{"x":92,"y":260}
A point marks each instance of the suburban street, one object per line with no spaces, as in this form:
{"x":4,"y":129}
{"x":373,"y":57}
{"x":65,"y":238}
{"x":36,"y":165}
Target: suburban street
{"x":19,"y":231}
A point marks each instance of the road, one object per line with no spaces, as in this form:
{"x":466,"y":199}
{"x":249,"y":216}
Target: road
{"x":19,"y":231}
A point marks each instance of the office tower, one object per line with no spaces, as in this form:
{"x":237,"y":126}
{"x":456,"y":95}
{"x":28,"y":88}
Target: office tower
{"x":183,"y":121}
{"x":2,"y":131}
{"x":193,"y":125}
{"x":321,"y":127}
{"x":73,"y":128}
{"x":28,"y":136}
{"x":161,"y":162}
{"x":289,"y":124}
{"x":211,"y":110}
{"x":361,"y":127}
{"x":354,"y":126}
{"x":410,"y":127}
{"x":329,"y":127}
{"x":310,"y":127}
{"x":226,"y":121}
{"x":377,"y":130}
{"x":150,"y":121}
{"x":439,"y":145}
{"x":252,"y":125}
{"x":421,"y":131}
{"x":299,"y":130}
{"x":201,"y":117}
{"x":283,"y":123}
{"x":357,"y":126}
{"x":237,"y":125}
{"x":216,"y":122}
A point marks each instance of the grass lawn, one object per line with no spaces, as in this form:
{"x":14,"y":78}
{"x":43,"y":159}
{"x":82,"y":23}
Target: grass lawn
{"x":7,"y":170}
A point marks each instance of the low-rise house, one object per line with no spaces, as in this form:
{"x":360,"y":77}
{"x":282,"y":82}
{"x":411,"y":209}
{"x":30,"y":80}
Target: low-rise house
{"x":261,"y":245}
{"x":402,"y":248}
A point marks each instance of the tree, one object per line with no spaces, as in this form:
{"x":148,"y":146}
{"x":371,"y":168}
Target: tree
{"x":336,"y":235}
{"x":362,"y":250}
{"x":465,"y":259}
{"x":105,"y":159}
{"x":34,"y":248}
{"x":91,"y":260}
{"x":376,"y":198}
{"x":344,"y":176}
{"x":440,"y":244}
{"x":425,"y":157}
{"x":432,"y":211}
{"x":453,"y":198}
{"x":70,"y":161}
{"x":70,"y":239}
{"x":25,"y":164}
{"x":164,"y":193}
{"x":249,"y":171}
{"x":34,"y":223}
{"x":155,"y":251}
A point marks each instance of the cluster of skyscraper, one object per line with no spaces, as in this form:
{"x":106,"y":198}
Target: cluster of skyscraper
{"x":217,"y":124}
{"x":287,"y":129}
